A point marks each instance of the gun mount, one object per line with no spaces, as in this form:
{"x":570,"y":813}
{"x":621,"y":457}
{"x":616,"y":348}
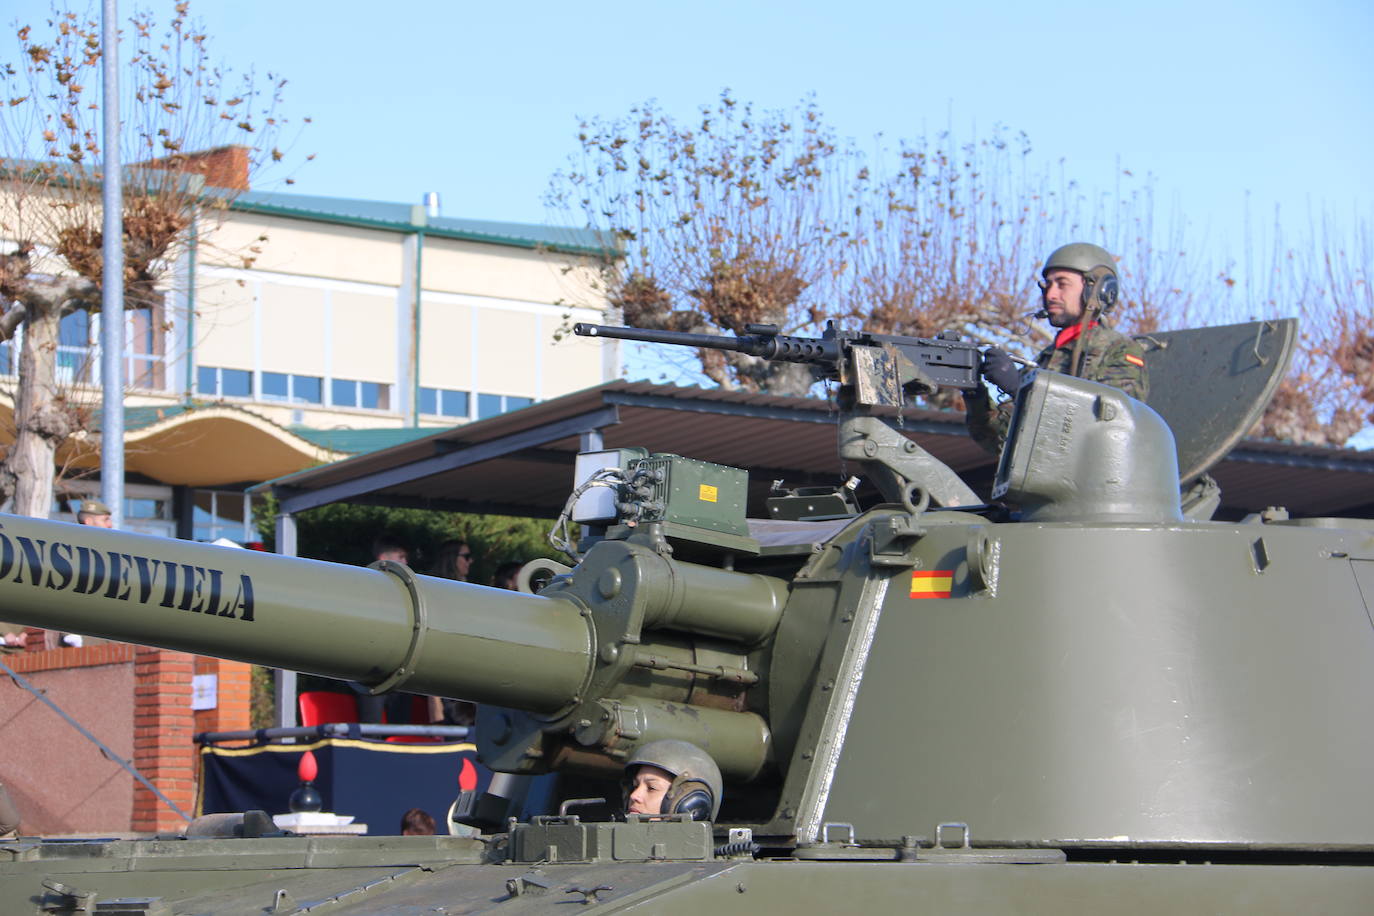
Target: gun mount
{"x":1103,"y":687}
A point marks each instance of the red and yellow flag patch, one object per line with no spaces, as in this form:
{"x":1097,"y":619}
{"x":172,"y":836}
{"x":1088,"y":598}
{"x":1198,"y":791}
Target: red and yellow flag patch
{"x":1135,"y":360}
{"x":932,"y":583}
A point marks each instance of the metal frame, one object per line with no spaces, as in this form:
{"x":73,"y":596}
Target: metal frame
{"x":446,"y":461}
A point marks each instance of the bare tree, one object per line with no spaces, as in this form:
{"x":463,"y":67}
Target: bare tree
{"x":742,"y":218}
{"x":955,"y":238}
{"x":1325,"y":279}
{"x":745,"y":218}
{"x":175,"y":100}
{"x":734,"y":219}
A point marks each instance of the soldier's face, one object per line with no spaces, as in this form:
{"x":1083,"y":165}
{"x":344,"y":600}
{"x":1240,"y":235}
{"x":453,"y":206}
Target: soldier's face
{"x":1062,"y":295}
{"x":648,"y":787}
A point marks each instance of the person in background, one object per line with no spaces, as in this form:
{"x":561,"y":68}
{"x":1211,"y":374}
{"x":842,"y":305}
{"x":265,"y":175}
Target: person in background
{"x":506,"y":575}
{"x":387,"y":547}
{"x":94,"y":513}
{"x":454,"y":560}
{"x":417,"y":822}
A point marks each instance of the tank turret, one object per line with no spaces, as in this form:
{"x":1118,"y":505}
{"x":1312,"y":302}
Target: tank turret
{"x":1081,"y":675}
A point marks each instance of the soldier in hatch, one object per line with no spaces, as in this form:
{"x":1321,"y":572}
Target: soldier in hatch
{"x":1078,"y":287}
{"x":672,"y":777}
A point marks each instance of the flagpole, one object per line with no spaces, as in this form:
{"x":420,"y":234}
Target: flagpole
{"x":112,"y":277}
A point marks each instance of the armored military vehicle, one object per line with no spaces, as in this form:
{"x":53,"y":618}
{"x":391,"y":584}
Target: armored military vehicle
{"x":1081,"y":696}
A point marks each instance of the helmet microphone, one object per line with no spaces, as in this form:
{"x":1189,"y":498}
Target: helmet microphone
{"x":1041,"y":313}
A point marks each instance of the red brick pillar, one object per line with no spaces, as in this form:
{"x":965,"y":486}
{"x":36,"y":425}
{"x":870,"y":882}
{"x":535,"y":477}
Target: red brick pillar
{"x":163,"y":750}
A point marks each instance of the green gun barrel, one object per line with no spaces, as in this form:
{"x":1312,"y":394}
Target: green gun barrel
{"x":384,"y":627}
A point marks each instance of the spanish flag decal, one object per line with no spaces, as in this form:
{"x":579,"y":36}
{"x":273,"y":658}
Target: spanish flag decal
{"x":932,"y":583}
{"x":1135,"y":360}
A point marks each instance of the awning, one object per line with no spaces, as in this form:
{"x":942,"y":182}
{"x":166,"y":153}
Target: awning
{"x":521,"y":463}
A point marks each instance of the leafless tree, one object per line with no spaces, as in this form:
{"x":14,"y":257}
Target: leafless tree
{"x":737,"y":218}
{"x":1324,"y":278}
{"x":746,"y":218}
{"x":770,"y":218}
{"x":175,"y":100}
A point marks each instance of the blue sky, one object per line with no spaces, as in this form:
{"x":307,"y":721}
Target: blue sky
{"x":480,"y":101}
{"x":1227,"y":105}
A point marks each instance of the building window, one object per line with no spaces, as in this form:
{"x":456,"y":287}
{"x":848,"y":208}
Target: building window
{"x":146,"y":366}
{"x":7,"y":361}
{"x":346,"y":392}
{"x":221,"y":514}
{"x":442,"y":402}
{"x":299,"y":389}
{"x":491,"y":405}
{"x":224,"y":383}
{"x":74,"y":352}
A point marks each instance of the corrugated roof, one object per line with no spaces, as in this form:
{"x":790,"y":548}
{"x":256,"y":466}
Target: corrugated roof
{"x":358,"y":441}
{"x":397,"y":217}
{"x":521,"y":463}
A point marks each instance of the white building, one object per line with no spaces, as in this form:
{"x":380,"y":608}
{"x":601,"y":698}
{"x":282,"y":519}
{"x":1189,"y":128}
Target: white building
{"x":297,"y":330}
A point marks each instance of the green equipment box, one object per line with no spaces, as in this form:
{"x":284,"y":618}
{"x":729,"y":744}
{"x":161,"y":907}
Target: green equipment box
{"x":696,"y":494}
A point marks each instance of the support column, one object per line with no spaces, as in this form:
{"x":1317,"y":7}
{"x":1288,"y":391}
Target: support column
{"x":163,"y":726}
{"x":284,"y":682}
{"x":184,"y":510}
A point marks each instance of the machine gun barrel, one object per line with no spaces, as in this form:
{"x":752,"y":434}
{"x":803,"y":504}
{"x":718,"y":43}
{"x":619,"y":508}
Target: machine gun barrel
{"x":941,"y":362}
{"x":384,"y":627}
{"x":820,"y":350}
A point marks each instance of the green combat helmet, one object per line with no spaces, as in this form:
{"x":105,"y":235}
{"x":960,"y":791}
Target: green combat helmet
{"x":697,"y":783}
{"x":1100,"y":280}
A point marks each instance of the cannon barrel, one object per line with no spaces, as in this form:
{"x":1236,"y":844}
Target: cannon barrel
{"x":385,"y":627}
{"x":603,"y":661}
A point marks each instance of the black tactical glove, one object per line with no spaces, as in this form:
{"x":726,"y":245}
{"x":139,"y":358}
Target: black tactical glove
{"x":999,"y":369}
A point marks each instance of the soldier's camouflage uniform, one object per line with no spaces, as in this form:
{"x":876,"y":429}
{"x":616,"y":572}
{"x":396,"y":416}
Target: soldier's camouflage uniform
{"x":1109,"y":357}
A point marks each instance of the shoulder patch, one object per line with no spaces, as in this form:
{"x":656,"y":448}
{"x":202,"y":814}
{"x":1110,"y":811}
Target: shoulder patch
{"x":1135,"y":360}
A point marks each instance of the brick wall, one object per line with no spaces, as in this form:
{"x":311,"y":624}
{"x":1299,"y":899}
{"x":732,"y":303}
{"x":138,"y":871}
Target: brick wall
{"x":137,"y":701}
{"x":60,"y":781}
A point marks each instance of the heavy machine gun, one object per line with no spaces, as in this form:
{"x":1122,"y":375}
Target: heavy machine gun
{"x":874,"y":371}
{"x":918,"y":364}
{"x":906,"y":702}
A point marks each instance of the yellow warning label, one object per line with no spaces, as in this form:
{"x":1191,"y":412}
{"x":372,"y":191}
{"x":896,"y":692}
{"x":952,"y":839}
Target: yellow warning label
{"x":707,"y":494}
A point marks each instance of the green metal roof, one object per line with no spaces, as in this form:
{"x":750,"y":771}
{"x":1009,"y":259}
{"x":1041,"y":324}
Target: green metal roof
{"x":349,"y":441}
{"x":136,"y":418}
{"x":372,"y":214}
{"x":396,"y":217}
{"x":357,"y":441}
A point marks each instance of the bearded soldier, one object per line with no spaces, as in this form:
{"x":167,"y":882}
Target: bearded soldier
{"x":1078,"y":287}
